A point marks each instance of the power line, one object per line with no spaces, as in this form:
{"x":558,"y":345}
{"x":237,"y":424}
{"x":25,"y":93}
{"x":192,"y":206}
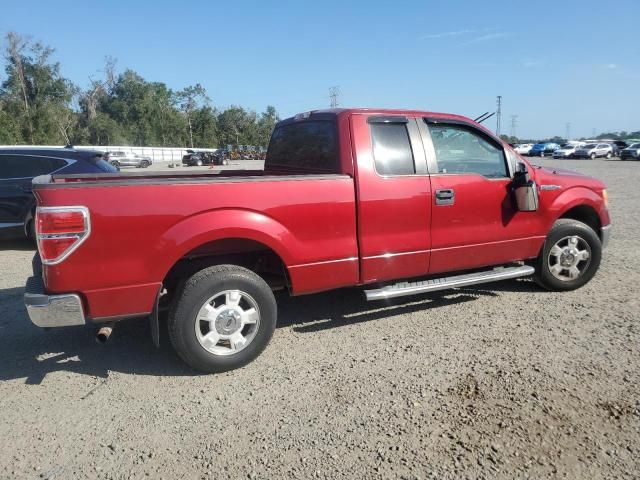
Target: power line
{"x":514,"y":124}
{"x":334,"y":93}
{"x":498,"y":114}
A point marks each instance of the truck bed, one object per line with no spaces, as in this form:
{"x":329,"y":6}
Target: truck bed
{"x":143,"y":224}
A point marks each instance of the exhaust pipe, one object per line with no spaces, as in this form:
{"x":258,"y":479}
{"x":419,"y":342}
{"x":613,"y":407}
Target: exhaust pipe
{"x":104,"y":333}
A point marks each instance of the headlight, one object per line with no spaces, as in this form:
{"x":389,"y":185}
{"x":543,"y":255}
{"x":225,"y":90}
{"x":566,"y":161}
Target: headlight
{"x":605,"y":197}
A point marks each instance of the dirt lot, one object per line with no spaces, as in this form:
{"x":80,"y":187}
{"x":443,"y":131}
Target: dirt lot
{"x":504,"y":381}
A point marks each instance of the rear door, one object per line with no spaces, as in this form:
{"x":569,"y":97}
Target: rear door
{"x":474,"y":220}
{"x":394,"y":197}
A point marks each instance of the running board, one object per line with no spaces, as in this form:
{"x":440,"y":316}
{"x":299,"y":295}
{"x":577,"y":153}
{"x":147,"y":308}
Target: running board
{"x":413,"y":288}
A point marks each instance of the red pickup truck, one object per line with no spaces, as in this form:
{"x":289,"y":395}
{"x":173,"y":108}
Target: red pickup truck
{"x":397,"y":202}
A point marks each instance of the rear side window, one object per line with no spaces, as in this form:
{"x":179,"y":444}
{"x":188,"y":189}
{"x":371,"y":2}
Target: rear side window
{"x":392,"y":149}
{"x":26,"y":166}
{"x":310,"y":145}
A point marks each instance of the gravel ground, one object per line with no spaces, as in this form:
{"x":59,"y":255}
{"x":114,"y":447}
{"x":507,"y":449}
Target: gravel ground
{"x":503,"y":381}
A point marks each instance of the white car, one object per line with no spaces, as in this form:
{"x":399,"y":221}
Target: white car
{"x":567,"y":150}
{"x":523,"y":148}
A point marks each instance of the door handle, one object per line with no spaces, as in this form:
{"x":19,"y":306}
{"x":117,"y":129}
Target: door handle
{"x":445,"y":196}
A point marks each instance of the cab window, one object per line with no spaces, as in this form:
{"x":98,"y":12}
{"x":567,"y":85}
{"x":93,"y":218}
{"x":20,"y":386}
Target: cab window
{"x":392,"y":151}
{"x":461,"y":150}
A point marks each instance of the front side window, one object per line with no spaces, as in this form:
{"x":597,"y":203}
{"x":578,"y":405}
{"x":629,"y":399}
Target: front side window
{"x":461,"y":150}
{"x":310,"y":145}
{"x":392,"y":149}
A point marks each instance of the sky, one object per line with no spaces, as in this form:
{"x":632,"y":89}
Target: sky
{"x":553,"y":62}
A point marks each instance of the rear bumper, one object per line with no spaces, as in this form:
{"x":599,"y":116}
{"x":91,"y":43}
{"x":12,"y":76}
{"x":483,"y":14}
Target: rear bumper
{"x":605,"y":235}
{"x":52,"y":310}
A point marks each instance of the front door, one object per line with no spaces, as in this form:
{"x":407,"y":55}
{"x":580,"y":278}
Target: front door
{"x":474,"y":220}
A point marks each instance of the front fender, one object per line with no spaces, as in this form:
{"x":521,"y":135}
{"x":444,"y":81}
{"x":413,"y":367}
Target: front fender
{"x":202,"y":228}
{"x":575,"y":197}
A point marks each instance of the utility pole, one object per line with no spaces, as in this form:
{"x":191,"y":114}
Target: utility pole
{"x":498,"y":114}
{"x":334,"y":93}
{"x":514,"y":124}
{"x":568,"y":131}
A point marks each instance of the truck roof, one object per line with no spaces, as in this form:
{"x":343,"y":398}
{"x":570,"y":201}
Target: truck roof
{"x":335,"y":112}
{"x":380,"y":111}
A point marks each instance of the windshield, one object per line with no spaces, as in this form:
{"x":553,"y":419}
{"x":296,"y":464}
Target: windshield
{"x":635,"y":145}
{"x":567,"y":147}
{"x":590,"y":145}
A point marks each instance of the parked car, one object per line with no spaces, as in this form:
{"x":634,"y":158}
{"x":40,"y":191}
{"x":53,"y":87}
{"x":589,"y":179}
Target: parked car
{"x":523,"y":148}
{"x":543,"y":149}
{"x":594,"y":150}
{"x":18,"y":167}
{"x":127,"y":159}
{"x":631,"y":153}
{"x":347,"y":198}
{"x":618,"y":146}
{"x":198,"y":158}
{"x":566,"y":151}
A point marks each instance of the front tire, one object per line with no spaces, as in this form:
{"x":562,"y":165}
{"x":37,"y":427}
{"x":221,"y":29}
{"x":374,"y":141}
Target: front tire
{"x":592,"y":156}
{"x":570,"y":256}
{"x":609,"y":155}
{"x":223,"y":319}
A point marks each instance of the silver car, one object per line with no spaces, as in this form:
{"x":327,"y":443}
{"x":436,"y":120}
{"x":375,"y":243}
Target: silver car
{"x":566,"y":151}
{"x":127,"y":159}
{"x":594,"y":150}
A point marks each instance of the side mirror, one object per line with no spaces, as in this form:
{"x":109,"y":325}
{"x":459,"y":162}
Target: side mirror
{"x":524,"y":189}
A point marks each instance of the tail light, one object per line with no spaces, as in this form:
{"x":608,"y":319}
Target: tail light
{"x":60,"y":230}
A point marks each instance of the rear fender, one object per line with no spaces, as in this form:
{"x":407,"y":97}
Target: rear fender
{"x":203,"y":228}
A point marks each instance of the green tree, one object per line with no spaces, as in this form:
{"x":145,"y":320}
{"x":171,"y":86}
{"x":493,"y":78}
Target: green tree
{"x":189,"y":100}
{"x":34,"y":95}
{"x":266,"y":124}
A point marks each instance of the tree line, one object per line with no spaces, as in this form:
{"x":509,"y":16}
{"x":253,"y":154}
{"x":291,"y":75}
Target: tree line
{"x":38,"y":105}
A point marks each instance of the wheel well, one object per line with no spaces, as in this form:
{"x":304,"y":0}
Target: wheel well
{"x":250,"y":254}
{"x":586,"y":215}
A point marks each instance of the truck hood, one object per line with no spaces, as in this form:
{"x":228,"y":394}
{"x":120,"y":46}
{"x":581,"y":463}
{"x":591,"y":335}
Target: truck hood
{"x":565,"y":178}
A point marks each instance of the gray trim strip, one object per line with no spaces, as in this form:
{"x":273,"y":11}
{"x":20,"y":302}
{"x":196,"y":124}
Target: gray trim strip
{"x":95,"y":181}
{"x":11,"y":225}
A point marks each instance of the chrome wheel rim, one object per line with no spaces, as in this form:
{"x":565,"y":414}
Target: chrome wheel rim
{"x":227,"y":322}
{"x":569,"y":258}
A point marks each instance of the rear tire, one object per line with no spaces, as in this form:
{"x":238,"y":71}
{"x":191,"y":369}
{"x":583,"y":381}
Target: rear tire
{"x":144,"y":164}
{"x":608,"y":155}
{"x":570,"y":256}
{"x":223,"y":318}
{"x":592,"y":156}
